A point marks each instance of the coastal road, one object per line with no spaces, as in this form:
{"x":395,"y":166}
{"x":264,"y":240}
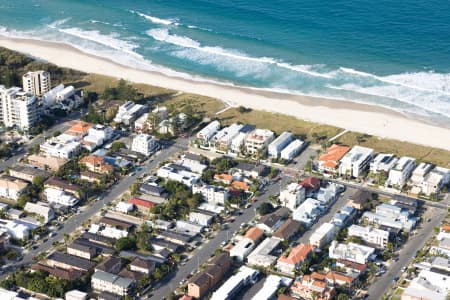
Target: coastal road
{"x":407,"y":253}
{"x":206,"y":250}
{"x":93,"y":208}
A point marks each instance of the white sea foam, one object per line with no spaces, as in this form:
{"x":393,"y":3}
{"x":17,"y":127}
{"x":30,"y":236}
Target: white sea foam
{"x":58,"y":23}
{"x":101,"y":22}
{"x":163,"y":35}
{"x":155,"y":20}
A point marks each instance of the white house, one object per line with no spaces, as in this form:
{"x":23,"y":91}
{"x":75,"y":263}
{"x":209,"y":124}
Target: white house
{"x":129,"y":112}
{"x":222,"y":139}
{"x":11,"y":187}
{"x":178,"y":173}
{"x":352,"y":252}
{"x":211,"y":193}
{"x":242,"y":248}
{"x":419,"y":173}
{"x":383,"y":162}
{"x":103,"y":281}
{"x":144,"y":144}
{"x":401,"y":171}
{"x":262,"y":255}
{"x":292,"y":196}
{"x":60,"y":197}
{"x":292,"y":150}
{"x":279,"y":144}
{"x":98,"y":135}
{"x":323,"y":235}
{"x":208,"y":131}
{"x":41,"y":209}
{"x":435,"y":180}
{"x":308,"y":211}
{"x":356,"y":161}
{"x":374,"y":236}
{"x":201,"y":217}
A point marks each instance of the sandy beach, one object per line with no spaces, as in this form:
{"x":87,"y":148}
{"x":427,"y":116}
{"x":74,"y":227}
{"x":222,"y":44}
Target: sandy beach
{"x":348,"y":115}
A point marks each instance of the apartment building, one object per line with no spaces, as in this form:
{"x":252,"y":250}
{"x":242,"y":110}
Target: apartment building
{"x":11,"y":187}
{"x":420,"y":172}
{"x":356,"y":161}
{"x":292,"y":196}
{"x":352,"y":252}
{"x":383,"y":162}
{"x":104,"y":281}
{"x":208,"y":131}
{"x":144,"y":144}
{"x":373,"y":236}
{"x":129,"y":112}
{"x":258,"y":140}
{"x":37,"y":83}
{"x":401,"y":171}
{"x":41,"y":209}
{"x":275,"y":147}
{"x":211,"y":193}
{"x":18,"y":108}
{"x":435,"y":180}
{"x":329,"y":161}
{"x":323,"y":235}
{"x":222,"y":139}
{"x":297,"y":256}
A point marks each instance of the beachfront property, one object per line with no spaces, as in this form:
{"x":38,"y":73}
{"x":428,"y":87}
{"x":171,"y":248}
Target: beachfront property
{"x":257,"y":141}
{"x":292,"y":150}
{"x":221,"y":141}
{"x":144,"y":144}
{"x":211,"y":193}
{"x":63,"y":97}
{"x":208,"y":132}
{"x":143,"y":124}
{"x":275,"y":147}
{"x":297,"y":256}
{"x":329,"y":161}
{"x":323,"y":235}
{"x":383,"y":162}
{"x":11,"y":187}
{"x":351,"y":252}
{"x":420,"y":172}
{"x":245,"y":276}
{"x":401,"y":172}
{"x":238,"y":141}
{"x":292,"y":196}
{"x":435,"y":180}
{"x":391,"y":216}
{"x":37,"y":82}
{"x":178,"y":173}
{"x":372,"y":236}
{"x":356,"y":161}
{"x":18,"y":108}
{"x":129,"y":112}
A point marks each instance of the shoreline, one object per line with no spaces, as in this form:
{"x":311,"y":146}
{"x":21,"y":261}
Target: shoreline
{"x":364,"y":118}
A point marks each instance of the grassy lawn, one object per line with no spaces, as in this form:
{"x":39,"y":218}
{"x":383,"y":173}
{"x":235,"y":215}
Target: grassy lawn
{"x":273,"y":121}
{"x":421,"y":153}
{"x":397,"y":295}
{"x":279,"y":123}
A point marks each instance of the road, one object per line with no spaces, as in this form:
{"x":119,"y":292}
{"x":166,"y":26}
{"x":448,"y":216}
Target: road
{"x":204,"y":253}
{"x":407,"y":253}
{"x":328,"y":215}
{"x":38,"y":140}
{"x":442,"y":204}
{"x":93,"y":208}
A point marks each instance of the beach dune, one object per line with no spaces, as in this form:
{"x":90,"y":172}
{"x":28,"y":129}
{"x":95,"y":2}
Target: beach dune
{"x":348,"y":115}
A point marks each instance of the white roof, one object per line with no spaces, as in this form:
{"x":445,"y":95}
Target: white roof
{"x":243,"y":275}
{"x":403,"y":162}
{"x":269,"y":288}
{"x":292,"y":147}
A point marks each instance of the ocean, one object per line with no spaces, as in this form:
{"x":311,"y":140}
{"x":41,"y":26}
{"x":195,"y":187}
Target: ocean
{"x":394,"y":54}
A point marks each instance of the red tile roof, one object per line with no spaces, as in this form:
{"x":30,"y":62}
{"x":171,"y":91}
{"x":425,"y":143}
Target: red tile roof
{"x":310,"y":183}
{"x":141,"y":202}
{"x":333,"y":155}
{"x":297,"y":254}
{"x":254,"y":233}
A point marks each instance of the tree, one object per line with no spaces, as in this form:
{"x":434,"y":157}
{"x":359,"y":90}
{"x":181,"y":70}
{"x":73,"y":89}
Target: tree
{"x":134,"y":188}
{"x":110,"y":113}
{"x":265,"y":208}
{"x":153,"y":120}
{"x":125,"y":243}
{"x":116,"y":146}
